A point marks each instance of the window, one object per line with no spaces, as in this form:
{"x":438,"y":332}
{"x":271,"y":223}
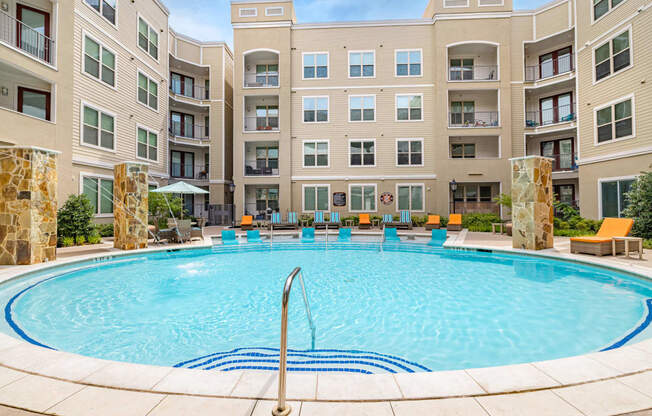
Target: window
{"x":100,"y":192}
{"x":267,"y":75}
{"x":267,"y":117}
{"x":565,"y":194}
{"x":315,"y":109}
{"x":456,"y":3}
{"x":463,"y":150}
{"x":363,"y":198}
{"x":410,"y":197}
{"x":613,"y":200}
{"x":248,"y":12}
{"x":362,"y":108}
{"x":34,"y":103}
{"x":461,"y":69}
{"x":98,"y":128}
{"x":485,"y":193}
{"x":147,"y":38}
{"x":601,"y":7}
{"x":362,"y":64}
{"x":105,"y":7}
{"x":182,"y":165}
{"x":561,"y":151}
{"x":182,"y":125}
{"x":32,"y":36}
{"x":613,"y":56}
{"x":409,"y":152}
{"x":409,"y":107}
{"x":182,"y":85}
{"x":274,"y":11}
{"x":147,"y":144}
{"x":267,"y":159}
{"x":556,"y":62}
{"x":557,"y":109}
{"x":315,"y":198}
{"x":462,"y":113}
{"x":99,"y":62}
{"x":408,"y":63}
{"x":615,"y":121}
{"x":315,"y":154}
{"x":315,"y":65}
{"x":207,"y":124}
{"x":473,"y":193}
{"x":147,"y":91}
{"x":363,"y":152}
{"x":266,"y":198}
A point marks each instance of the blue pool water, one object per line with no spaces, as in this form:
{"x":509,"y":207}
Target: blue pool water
{"x":406,"y":308}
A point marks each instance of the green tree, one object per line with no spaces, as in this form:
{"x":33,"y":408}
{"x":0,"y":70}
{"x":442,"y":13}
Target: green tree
{"x":75,"y":217}
{"x":640,"y":206}
{"x":159,"y":210}
{"x":506,"y":201}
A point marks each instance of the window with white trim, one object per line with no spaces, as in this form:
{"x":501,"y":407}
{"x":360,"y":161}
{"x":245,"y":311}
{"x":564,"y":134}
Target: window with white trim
{"x":456,"y":3}
{"x":602,"y":7}
{"x":463,"y":150}
{"x":613,"y":197}
{"x":409,"y":152}
{"x":248,"y":12}
{"x":147,"y":91}
{"x":363,"y":152}
{"x":409,"y":108}
{"x":104,"y":7}
{"x":315,"y":65}
{"x":147,"y":38}
{"x":363,"y":198}
{"x":98,"y":128}
{"x":612,"y":56}
{"x":315,"y":154}
{"x":315,"y":198}
{"x":315,"y":109}
{"x":615,"y":121}
{"x":362,"y":64}
{"x":100,"y":192}
{"x":147,"y":144}
{"x":362,"y":108}
{"x":408,"y":63}
{"x":99,"y":62}
{"x":410,"y":197}
{"x":274,"y":11}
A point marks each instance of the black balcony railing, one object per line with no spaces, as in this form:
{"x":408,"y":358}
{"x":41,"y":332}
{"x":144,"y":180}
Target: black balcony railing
{"x":196,"y":91}
{"x":269,"y":123}
{"x":473,"y":119}
{"x":549,"y":68}
{"x":260,"y":168}
{"x":473,"y":73}
{"x":261,"y":80}
{"x":563,"y":162}
{"x":189,"y":131}
{"x":548,"y":116}
{"x":18,"y":34}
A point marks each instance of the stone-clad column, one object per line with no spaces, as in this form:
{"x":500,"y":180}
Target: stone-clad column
{"x":532,"y":209}
{"x":131,"y":206}
{"x":28,"y":205}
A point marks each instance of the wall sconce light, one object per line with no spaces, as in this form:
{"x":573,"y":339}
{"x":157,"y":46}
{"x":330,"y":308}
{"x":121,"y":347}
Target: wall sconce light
{"x":4,"y":6}
{"x":4,"y":91}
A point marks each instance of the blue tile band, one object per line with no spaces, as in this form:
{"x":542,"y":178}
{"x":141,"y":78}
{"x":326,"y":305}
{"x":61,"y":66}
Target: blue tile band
{"x":646,"y":322}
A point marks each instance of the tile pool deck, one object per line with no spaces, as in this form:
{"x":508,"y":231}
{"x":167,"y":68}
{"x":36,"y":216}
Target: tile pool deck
{"x":34,"y":380}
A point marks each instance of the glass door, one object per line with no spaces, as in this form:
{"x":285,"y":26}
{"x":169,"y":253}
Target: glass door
{"x":564,"y":107}
{"x":547,"y":111}
{"x":566,"y":154}
{"x":33,"y":31}
{"x":546,"y":65}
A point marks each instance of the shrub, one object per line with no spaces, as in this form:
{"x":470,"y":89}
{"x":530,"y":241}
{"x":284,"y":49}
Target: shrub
{"x":647,"y":244}
{"x":94,"y":238}
{"x":307,"y":219}
{"x":68,"y":241}
{"x":419,"y":221}
{"x":572,"y":233}
{"x":159,"y":209}
{"x":504,"y":200}
{"x":74,"y":219}
{"x":104,"y":230}
{"x":80,"y":240}
{"x":479,"y":222}
{"x":640,"y":206}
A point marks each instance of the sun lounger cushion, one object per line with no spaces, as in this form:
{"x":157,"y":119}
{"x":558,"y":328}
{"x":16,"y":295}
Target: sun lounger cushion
{"x":387,"y":218}
{"x":308,"y":234}
{"x":228,"y":237}
{"x":391,"y":235}
{"x":405,"y":217}
{"x":455,"y":219}
{"x":345,"y":234}
{"x":364,"y":219}
{"x":276,"y":218}
{"x":292,"y":218}
{"x":319,"y":217}
{"x":438,"y":238}
{"x":254,"y":237}
{"x":433,"y":219}
{"x":335,"y":217}
{"x":247,"y":220}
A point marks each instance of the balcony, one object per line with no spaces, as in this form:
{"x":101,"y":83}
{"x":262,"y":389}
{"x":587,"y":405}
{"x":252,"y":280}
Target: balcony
{"x":188,"y":80}
{"x":188,"y":165}
{"x":549,"y":67}
{"x":474,"y":147}
{"x":472,"y":62}
{"x":470,"y":197}
{"x":261,"y":114}
{"x":35,"y":101}
{"x":197,"y":92}
{"x":261,"y":70}
{"x":30,"y":33}
{"x":189,"y":131}
{"x":564,"y":162}
{"x":261,"y":159}
{"x":549,"y":57}
{"x":550,"y":116}
{"x":473,"y":109}
{"x":261,"y":201}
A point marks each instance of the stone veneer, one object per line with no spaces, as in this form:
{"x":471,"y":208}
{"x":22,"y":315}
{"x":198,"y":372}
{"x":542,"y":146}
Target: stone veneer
{"x":28,"y":205}
{"x":131,"y":205}
{"x":532,"y":209}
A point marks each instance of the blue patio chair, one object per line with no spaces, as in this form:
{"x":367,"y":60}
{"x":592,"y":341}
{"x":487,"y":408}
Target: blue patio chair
{"x":293,"y":218}
{"x":228,"y":238}
{"x":388,"y":218}
{"x":335,"y":221}
{"x":308,"y":235}
{"x":438,"y":238}
{"x":391,"y":235}
{"x":254,"y":236}
{"x":406,"y":220}
{"x":319,"y":220}
{"x":345,"y":235}
{"x":276,"y":218}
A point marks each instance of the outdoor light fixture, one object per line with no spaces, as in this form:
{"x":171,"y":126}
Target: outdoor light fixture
{"x":5,"y":6}
{"x":4,"y":91}
{"x":232,"y":190}
{"x":453,"y":186}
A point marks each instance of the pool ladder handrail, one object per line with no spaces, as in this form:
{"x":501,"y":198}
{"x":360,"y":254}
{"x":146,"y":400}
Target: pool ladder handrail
{"x":282,"y":408}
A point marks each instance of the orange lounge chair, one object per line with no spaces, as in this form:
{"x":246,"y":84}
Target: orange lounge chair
{"x":365,"y":222}
{"x":247,"y":223}
{"x":454,"y":222}
{"x":601,"y":243}
{"x":433,"y":222}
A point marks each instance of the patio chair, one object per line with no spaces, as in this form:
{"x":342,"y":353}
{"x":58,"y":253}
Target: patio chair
{"x":345,"y":235}
{"x":253,"y":236}
{"x":160,"y":236}
{"x":391,"y":235}
{"x":319,"y":223}
{"x":388,"y":220}
{"x":291,"y":224}
{"x":364,"y":222}
{"x":247,"y":223}
{"x":228,"y":238}
{"x":438,"y":238}
{"x":601,"y":244}
{"x":405,"y":221}
{"x":184,"y":230}
{"x":334,"y":220}
{"x":308,"y":235}
{"x":454,"y":222}
{"x":434,"y":222}
{"x":196,"y":233}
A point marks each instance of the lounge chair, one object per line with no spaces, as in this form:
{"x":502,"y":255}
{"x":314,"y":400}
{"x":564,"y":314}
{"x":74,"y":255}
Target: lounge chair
{"x":228,"y":238}
{"x":601,"y":244}
{"x":388,"y":220}
{"x":433,"y":222}
{"x":438,"y":238}
{"x":365,"y":222}
{"x":197,"y":233}
{"x":405,"y":221}
{"x":319,"y":220}
{"x":391,"y":235}
{"x":253,"y":236}
{"x":291,"y":224}
{"x":334,"y":220}
{"x":345,"y":235}
{"x":454,"y":222}
{"x":184,"y":230}
{"x":308,"y":235}
{"x":247,"y":222}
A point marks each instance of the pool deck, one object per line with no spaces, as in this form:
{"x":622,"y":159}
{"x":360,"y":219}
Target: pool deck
{"x":35,"y":380}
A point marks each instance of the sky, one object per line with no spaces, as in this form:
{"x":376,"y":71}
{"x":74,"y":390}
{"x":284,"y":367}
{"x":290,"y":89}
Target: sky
{"x":210,"y":20}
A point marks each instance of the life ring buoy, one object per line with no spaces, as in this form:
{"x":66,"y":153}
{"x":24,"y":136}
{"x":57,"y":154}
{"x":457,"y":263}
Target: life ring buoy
{"x":386,"y":198}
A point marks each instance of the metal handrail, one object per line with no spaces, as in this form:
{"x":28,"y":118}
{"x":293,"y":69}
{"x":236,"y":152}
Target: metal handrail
{"x":20,"y":35}
{"x":282,"y":408}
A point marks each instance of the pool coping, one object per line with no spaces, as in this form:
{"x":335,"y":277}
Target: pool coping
{"x":60,"y":367}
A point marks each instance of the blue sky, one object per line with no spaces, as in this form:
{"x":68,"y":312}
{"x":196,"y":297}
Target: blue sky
{"x":211,"y":20}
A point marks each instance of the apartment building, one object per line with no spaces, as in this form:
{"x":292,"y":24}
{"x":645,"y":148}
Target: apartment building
{"x":381,"y":116}
{"x":106,"y":81}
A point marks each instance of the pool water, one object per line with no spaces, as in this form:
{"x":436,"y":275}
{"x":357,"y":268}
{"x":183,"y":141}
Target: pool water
{"x":405,"y":308}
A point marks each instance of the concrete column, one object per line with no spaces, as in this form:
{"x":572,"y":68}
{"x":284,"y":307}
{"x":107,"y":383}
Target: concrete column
{"x":532,"y":209}
{"x":28,"y":205}
{"x":131,"y":205}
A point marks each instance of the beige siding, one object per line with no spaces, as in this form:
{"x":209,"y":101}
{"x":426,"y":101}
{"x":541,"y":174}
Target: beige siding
{"x":553,"y":20}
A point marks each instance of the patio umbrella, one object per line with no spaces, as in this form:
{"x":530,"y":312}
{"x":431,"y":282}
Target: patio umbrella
{"x":180,"y":188}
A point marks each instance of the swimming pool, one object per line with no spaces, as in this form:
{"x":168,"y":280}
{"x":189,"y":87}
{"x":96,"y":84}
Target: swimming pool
{"x":406,"y":308}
